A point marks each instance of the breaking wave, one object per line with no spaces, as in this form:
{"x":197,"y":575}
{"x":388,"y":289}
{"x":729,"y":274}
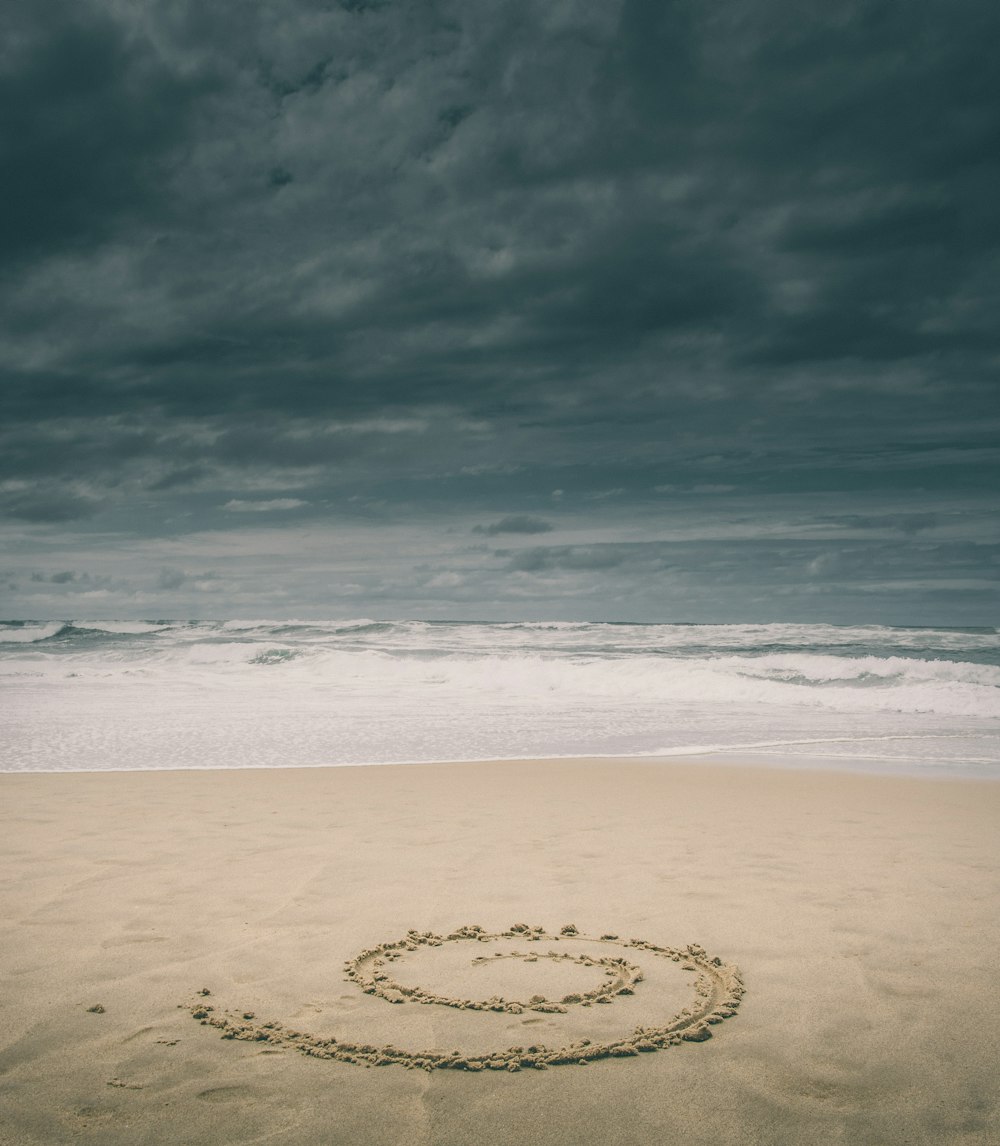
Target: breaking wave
{"x":364,"y":690}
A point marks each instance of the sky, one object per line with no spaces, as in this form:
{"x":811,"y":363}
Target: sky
{"x":660,"y":310}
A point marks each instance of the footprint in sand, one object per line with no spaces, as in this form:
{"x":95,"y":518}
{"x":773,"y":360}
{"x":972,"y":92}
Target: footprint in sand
{"x":226,"y":1094}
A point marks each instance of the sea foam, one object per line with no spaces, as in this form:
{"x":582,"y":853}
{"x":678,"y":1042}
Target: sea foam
{"x":154,"y":694}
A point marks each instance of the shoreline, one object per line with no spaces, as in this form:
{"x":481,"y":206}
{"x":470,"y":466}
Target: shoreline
{"x":820,"y":763}
{"x":859,"y":910}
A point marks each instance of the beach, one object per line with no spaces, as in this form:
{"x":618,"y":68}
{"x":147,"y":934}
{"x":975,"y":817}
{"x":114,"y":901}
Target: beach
{"x":144,"y":914}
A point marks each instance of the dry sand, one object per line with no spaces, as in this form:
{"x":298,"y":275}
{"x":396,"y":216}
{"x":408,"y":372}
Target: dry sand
{"x":487,"y":919}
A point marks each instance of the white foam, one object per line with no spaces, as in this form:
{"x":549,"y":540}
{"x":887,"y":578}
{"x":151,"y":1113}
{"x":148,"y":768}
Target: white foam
{"x":256,"y":693}
{"x":28,"y":634}
{"x":262,"y":625}
{"x":797,"y":681}
{"x":136,"y":628}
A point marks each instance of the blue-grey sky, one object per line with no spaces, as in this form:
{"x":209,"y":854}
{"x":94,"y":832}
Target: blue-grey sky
{"x":653,"y":310}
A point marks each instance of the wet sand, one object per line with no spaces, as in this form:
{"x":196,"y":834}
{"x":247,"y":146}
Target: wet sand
{"x":545,"y":952}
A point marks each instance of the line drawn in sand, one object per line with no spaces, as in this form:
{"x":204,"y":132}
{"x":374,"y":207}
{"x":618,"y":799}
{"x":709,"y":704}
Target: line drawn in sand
{"x":718,"y":990}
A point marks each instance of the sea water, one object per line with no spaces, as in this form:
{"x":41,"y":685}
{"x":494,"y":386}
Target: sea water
{"x":107,"y":695}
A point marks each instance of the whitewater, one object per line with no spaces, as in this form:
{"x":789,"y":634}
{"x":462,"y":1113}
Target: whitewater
{"x":138,"y":695}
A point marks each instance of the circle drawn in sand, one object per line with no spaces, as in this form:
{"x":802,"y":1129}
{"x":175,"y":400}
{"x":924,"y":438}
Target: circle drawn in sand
{"x":718,"y":989}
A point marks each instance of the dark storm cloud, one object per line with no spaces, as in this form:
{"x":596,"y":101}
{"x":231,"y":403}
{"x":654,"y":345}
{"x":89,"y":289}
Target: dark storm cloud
{"x":45,"y":505}
{"x":452,"y":257}
{"x":90,"y":119}
{"x":512,"y":200}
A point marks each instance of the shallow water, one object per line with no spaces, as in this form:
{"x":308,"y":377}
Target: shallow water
{"x":107,"y":695}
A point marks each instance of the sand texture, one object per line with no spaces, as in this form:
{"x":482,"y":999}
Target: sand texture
{"x":533,"y":952}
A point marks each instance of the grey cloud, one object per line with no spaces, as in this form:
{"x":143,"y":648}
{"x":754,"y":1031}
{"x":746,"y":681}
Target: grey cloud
{"x":901,"y":225}
{"x":515,"y":523}
{"x":908,"y":523}
{"x":80,"y":581}
{"x":268,"y":505}
{"x":577,"y":557}
{"x":170,"y":579}
{"x":46,"y":506}
{"x":784,"y":565}
{"x":76,"y":447}
{"x":861,"y":564}
{"x":257,"y":443}
{"x":183,"y":476}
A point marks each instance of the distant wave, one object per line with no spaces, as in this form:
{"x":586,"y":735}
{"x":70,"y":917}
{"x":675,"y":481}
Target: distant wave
{"x":127,"y":627}
{"x":601,"y":635}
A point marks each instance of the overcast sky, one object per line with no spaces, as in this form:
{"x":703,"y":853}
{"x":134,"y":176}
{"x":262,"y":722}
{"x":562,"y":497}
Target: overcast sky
{"x":648,"y":310}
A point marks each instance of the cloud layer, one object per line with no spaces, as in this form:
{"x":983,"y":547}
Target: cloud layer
{"x":566,"y":277}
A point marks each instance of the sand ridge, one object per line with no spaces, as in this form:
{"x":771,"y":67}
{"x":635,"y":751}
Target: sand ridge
{"x":718,"y":990}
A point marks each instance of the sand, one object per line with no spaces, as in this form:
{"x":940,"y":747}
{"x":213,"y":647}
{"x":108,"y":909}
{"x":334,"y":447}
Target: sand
{"x":531,"y":952}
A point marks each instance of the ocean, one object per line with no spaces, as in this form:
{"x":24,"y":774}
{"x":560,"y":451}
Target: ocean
{"x":131,"y":695}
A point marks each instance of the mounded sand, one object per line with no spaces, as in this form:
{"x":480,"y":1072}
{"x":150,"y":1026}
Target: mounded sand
{"x":531,"y":952}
